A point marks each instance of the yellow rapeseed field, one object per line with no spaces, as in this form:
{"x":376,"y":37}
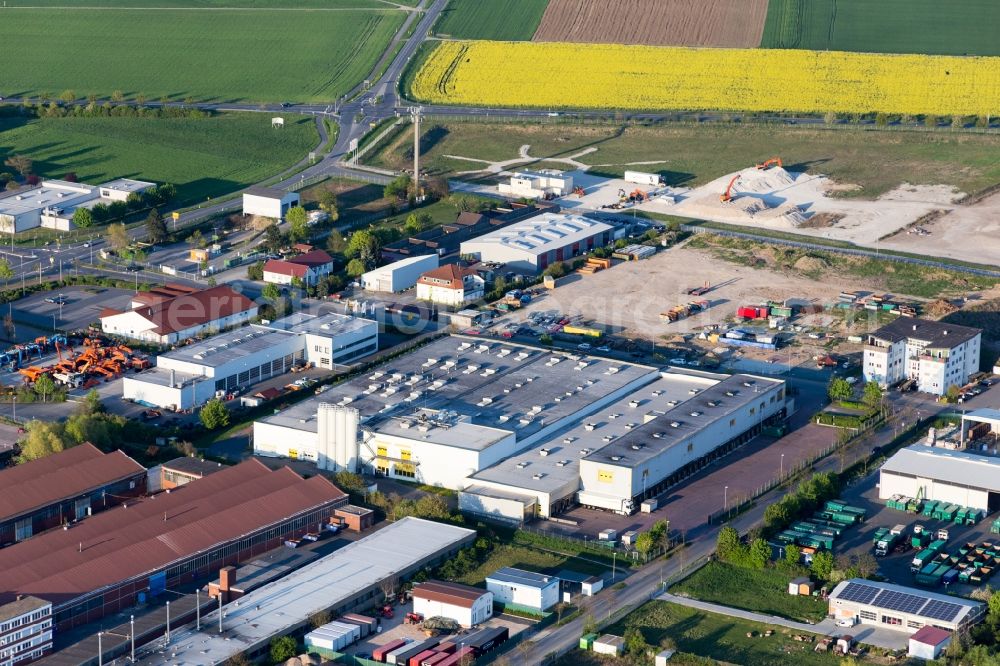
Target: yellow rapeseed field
{"x":611,"y":76}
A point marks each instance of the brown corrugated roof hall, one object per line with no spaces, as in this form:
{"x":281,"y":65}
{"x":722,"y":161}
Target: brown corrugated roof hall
{"x":64,"y":487}
{"x":109,"y":562}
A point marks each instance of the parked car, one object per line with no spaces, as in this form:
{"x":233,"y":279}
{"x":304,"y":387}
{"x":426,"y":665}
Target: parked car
{"x":583,"y":346}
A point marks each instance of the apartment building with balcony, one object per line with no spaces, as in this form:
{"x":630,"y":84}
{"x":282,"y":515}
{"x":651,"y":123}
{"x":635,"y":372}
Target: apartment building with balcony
{"x":935,"y":354}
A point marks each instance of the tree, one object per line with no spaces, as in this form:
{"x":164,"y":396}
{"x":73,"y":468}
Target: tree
{"x":67,"y":96}
{"x":44,"y":438}
{"x":283,"y":648}
{"x":727,"y":543}
{"x":335,"y":243}
{"x":9,"y":327}
{"x":839,"y":389}
{"x":328,"y":203}
{"x":660,"y":532}
{"x":83,"y":218}
{"x":156,"y":228}
{"x":866,"y":565}
{"x":822,"y":565}
{"x":44,"y":386}
{"x":92,"y":403}
{"x":255,"y":271}
{"x":298,"y":223}
{"x":317,"y":620}
{"x":635,"y":642}
{"x":644,"y":544}
{"x":355,"y":268}
{"x":71,"y":177}
{"x":117,"y":236}
{"x":117,"y":96}
{"x":364,"y":246}
{"x":760,"y":554}
{"x":272,"y":238}
{"x":6,"y":272}
{"x":952,"y":394}
{"x":196,"y":239}
{"x":388,"y":587}
{"x":397,"y":188}
{"x":872,"y":394}
{"x":271,"y":293}
{"x":214,"y":414}
{"x":792,"y":554}
{"x":556,"y":270}
{"x":20,"y":163}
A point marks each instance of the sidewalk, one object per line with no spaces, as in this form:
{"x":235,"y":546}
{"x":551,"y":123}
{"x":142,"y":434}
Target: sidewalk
{"x":863,"y":633}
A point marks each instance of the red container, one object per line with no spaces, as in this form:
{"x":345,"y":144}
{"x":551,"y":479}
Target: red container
{"x":416,"y":660}
{"x":379,"y":653}
{"x":457,"y":657}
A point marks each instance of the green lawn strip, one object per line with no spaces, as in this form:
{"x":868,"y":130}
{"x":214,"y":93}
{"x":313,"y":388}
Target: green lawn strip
{"x":505,"y":20}
{"x":203,"y":157}
{"x":763,"y":591}
{"x":238,"y":55}
{"x":887,"y":26}
{"x":720,"y":637}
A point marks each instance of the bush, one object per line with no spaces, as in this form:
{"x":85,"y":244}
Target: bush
{"x":283,"y":648}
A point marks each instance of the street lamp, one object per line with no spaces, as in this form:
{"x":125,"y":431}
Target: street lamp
{"x":781,"y":474}
{"x":725,"y":499}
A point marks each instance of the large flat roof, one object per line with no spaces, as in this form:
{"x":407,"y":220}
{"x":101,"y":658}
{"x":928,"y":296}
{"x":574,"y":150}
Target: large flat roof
{"x":956,"y":467}
{"x":909,"y":600}
{"x":328,"y":324}
{"x":56,"y":193}
{"x":434,"y":426}
{"x":143,"y":536}
{"x":127,"y":185}
{"x":224,"y":348}
{"x":522,"y":577}
{"x":492,"y":383}
{"x":277,"y":607}
{"x":642,"y":417}
{"x":542,"y":233}
{"x":61,"y":476}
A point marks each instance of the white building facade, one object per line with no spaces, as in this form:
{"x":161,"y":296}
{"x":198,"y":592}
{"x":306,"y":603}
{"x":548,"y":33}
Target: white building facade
{"x":451,"y":286}
{"x":956,"y":477}
{"x":269,"y":202}
{"x":25,"y":630}
{"x":399,"y":275}
{"x":935,"y":354}
{"x":527,"y":589}
{"x":543,"y":184}
{"x":468,"y":606}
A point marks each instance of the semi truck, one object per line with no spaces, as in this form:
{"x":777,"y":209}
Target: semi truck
{"x":888,"y":541}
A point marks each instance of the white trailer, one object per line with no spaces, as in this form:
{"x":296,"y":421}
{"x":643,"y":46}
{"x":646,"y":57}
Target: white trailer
{"x":643,"y":178}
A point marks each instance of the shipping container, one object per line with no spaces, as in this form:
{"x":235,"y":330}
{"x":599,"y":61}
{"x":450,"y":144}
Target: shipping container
{"x":649,"y":506}
{"x":378,"y":654}
{"x":403,"y":656}
{"x":418,"y":659}
{"x":587,"y":641}
{"x":464,"y":656}
{"x":488,"y":639}
{"x":752,"y":312}
{"x":583,"y":330}
{"x":367,"y":624}
{"x":642,"y":178}
{"x":434,"y":659}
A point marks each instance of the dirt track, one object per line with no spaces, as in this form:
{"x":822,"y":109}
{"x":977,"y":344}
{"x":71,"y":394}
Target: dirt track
{"x":730,"y":23}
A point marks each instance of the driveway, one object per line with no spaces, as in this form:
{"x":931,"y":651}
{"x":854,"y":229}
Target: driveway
{"x":863,"y":633}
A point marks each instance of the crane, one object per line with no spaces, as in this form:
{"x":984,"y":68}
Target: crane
{"x":767,"y":164}
{"x":728,"y":194}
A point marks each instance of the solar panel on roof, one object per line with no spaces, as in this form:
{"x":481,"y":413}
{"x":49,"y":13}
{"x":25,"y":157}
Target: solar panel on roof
{"x":941,"y":610}
{"x":862,"y":594}
{"x":899,"y":601}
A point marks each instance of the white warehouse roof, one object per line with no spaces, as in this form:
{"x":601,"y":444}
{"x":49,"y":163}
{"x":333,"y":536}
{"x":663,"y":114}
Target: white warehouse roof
{"x":541,"y":233}
{"x":932,"y":606}
{"x":276,"y":608}
{"x":522,"y":578}
{"x":956,"y":467}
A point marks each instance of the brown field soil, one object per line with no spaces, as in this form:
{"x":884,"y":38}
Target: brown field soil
{"x":727,"y":23}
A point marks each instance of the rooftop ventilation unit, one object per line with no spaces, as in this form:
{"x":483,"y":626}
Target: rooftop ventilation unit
{"x":562,"y":463}
{"x":612,"y":371}
{"x":613,"y":415}
{"x":657,"y":393}
{"x":568,"y":440}
{"x":543,"y":452}
{"x":658,"y":435}
{"x":376,"y":375}
{"x":558,"y":398}
{"x":675,"y":424}
{"x":748,"y":384}
{"x":608,"y":438}
{"x":470,"y":369}
{"x":630,"y":426}
{"x":694,"y":391}
{"x":633,"y":403}
{"x":585,"y":451}
{"x":731,"y":393}
{"x":589,"y":427}
{"x":486,"y":400}
{"x":713,"y":403}
{"x":637,"y":447}
{"x":615,"y":458}
{"x":487,"y":372}
{"x":696,"y":413}
{"x":464,"y":346}
{"x":503,"y":352}
{"x":540,"y":475}
{"x":521,"y":356}
{"x":674,"y":403}
{"x":406,"y":424}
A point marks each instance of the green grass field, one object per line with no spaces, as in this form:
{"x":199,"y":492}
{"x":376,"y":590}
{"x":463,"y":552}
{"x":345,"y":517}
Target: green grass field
{"x":763,"y":591}
{"x":205,"y":157}
{"x":691,"y":155}
{"x":250,"y":54}
{"x":887,"y":26}
{"x":719,"y":637}
{"x":507,"y":20}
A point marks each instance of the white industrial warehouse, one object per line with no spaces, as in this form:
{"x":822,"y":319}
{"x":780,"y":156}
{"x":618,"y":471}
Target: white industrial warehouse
{"x":943,"y":475}
{"x":343,"y":581}
{"x":51,"y":204}
{"x":904,"y":609}
{"x":268,"y":202}
{"x":191,"y":375}
{"x":536,"y":243}
{"x":527,"y":589}
{"x":523,"y":431}
{"x":399,"y":275}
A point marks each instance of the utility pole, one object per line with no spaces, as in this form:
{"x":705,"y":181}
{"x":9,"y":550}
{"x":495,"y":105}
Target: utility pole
{"x":197,"y":607}
{"x":415,"y":115}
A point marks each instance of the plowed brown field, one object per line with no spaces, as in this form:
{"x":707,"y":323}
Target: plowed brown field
{"x":734,"y":23}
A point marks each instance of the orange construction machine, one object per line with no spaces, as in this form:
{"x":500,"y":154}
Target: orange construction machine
{"x":728,"y":194}
{"x":767,"y":164}
{"x":578,"y":191}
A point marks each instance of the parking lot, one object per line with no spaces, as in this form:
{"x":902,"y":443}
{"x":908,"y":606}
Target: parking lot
{"x":69,"y":309}
{"x":395,"y":627}
{"x":896,"y":566}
